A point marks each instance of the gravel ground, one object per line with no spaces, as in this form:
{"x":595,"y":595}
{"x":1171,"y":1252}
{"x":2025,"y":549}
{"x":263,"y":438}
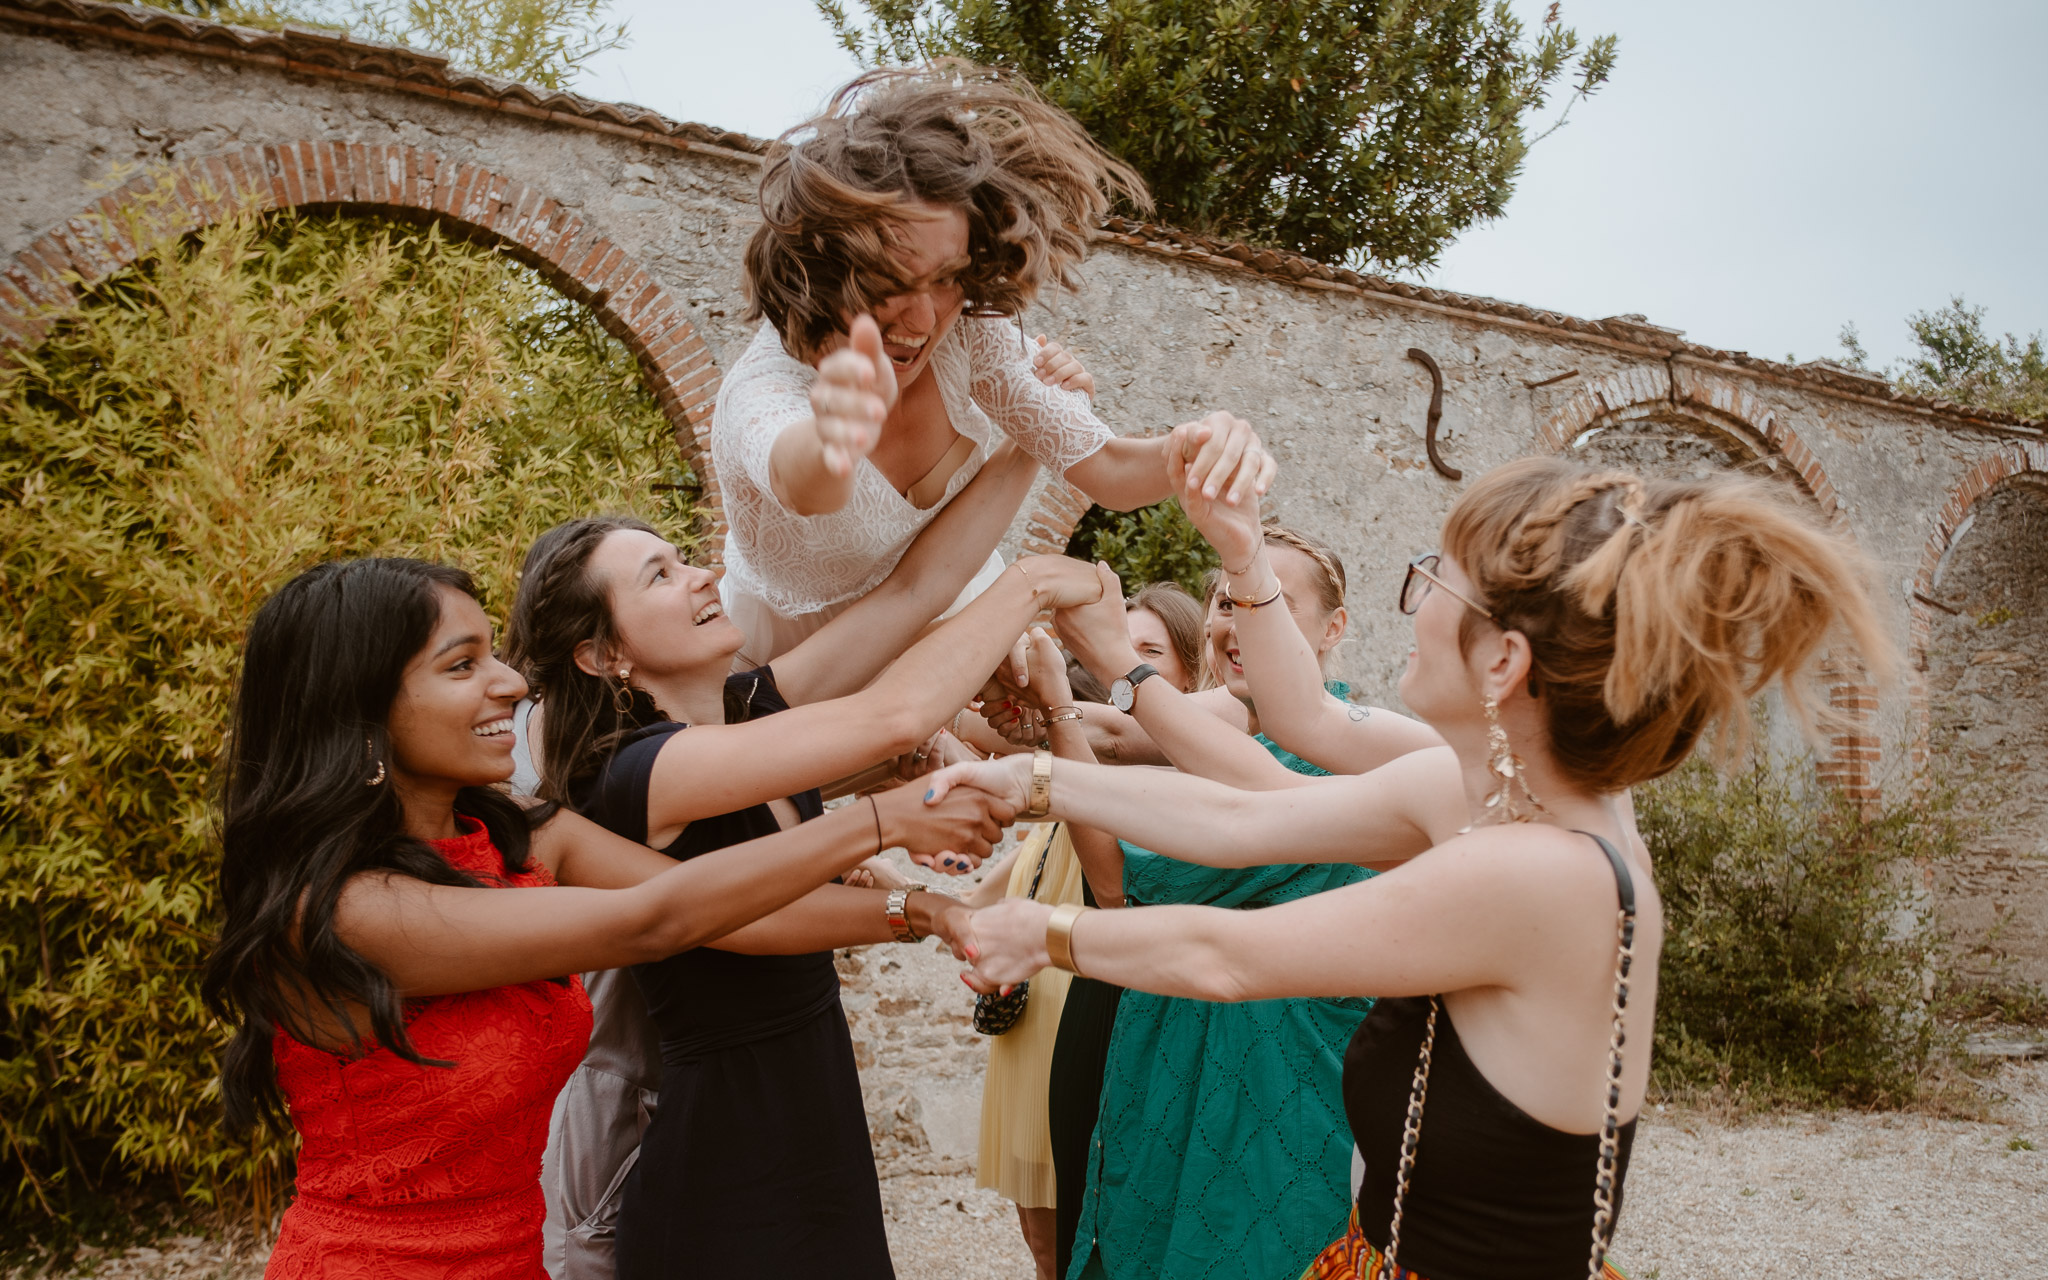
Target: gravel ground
{"x":1892,"y":1196}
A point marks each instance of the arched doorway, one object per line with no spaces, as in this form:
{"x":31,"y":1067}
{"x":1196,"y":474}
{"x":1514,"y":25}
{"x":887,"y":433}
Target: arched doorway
{"x":1983,"y":657}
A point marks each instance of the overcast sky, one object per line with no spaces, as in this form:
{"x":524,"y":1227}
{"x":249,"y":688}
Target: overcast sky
{"x":1756,"y":174}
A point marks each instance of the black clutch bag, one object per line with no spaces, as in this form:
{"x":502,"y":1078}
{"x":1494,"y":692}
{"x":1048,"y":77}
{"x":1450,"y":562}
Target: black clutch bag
{"x":996,"y":1014}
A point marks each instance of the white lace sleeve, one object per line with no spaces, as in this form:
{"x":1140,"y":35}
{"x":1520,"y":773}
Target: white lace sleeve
{"x":1059,"y":428}
{"x":767,"y":391}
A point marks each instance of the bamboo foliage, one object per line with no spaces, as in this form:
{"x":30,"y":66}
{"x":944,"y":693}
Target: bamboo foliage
{"x":250,"y":400}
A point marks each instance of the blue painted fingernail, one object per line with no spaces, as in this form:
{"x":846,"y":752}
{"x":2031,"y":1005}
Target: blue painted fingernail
{"x":932,"y":792}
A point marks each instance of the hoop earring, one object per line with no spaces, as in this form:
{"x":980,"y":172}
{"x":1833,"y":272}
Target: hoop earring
{"x":1510,"y":773}
{"x":622,"y":695}
{"x":370,"y":748}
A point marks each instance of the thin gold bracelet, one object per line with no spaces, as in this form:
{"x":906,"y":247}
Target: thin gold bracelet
{"x":1059,"y":934}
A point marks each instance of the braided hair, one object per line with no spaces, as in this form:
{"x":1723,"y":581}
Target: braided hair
{"x":1656,"y":610}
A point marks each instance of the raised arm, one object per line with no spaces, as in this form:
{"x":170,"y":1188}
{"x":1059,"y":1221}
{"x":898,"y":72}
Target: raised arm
{"x":1295,"y":710}
{"x":846,"y":652}
{"x":1061,"y":430}
{"x":1378,"y":819}
{"x":1187,"y":734}
{"x":713,"y":769}
{"x":639,"y":905}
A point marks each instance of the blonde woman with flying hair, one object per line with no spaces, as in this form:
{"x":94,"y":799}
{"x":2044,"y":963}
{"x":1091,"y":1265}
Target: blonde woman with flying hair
{"x":1578,"y":634}
{"x":904,"y":232}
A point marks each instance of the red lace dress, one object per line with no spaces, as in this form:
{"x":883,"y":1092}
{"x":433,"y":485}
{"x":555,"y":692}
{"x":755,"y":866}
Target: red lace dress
{"x":415,"y":1171}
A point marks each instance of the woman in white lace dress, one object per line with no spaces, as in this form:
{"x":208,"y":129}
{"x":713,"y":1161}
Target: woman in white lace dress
{"x":903,"y":233}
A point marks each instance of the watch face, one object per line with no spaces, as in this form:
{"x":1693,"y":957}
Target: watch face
{"x":1121,"y":694}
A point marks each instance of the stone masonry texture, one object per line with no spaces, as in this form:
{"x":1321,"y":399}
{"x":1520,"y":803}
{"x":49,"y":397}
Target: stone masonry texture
{"x":644,"y":219}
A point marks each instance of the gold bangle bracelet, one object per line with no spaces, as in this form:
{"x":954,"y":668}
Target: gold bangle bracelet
{"x":1059,"y":934}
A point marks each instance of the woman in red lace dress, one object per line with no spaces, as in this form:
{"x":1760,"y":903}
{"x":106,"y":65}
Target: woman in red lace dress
{"x":397,"y":981}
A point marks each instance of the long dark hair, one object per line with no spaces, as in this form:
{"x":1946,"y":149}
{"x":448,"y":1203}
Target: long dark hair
{"x":561,"y":603}
{"x":323,"y":663}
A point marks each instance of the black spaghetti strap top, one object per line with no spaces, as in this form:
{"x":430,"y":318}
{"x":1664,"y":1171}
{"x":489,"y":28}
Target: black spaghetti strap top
{"x":1495,"y":1194}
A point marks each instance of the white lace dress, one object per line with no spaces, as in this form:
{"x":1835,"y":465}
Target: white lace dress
{"x":787,"y":574}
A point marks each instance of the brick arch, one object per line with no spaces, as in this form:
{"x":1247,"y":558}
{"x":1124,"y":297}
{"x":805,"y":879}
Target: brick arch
{"x":1852,"y":753}
{"x":1718,"y":400}
{"x":2015,"y":463}
{"x":571,"y":254}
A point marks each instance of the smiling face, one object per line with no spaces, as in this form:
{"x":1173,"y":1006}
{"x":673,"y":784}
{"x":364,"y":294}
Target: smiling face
{"x":1155,"y":646}
{"x":666,"y":618}
{"x":1300,"y":586}
{"x":451,"y":724}
{"x":931,"y":251}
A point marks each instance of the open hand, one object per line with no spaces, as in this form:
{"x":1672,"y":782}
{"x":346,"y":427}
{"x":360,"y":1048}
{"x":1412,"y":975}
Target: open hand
{"x":1224,"y":457}
{"x":1058,"y":367}
{"x":1006,"y":944}
{"x":852,"y":394}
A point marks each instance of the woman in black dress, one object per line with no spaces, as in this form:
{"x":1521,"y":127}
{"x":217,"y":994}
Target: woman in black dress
{"x":757,"y":1162}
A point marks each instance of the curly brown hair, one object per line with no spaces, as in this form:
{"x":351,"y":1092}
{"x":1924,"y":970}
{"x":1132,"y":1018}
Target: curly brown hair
{"x":1027,"y":175}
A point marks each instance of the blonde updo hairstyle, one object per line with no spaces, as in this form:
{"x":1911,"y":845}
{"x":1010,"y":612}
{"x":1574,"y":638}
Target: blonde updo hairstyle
{"x":1656,"y":610}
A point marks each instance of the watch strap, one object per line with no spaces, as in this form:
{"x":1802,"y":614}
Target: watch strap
{"x":1041,"y":785}
{"x":896,"y":909}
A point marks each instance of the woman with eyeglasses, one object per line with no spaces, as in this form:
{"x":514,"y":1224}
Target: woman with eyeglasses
{"x":1579,"y":633}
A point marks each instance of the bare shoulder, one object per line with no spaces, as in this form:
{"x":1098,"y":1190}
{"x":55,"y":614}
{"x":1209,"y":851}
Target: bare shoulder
{"x":1532,"y":864}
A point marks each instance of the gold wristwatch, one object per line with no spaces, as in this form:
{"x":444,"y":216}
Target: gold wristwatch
{"x":1041,"y":786}
{"x":896,"y":910}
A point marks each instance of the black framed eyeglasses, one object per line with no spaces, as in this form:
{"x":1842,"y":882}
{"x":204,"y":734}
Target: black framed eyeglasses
{"x":1422,"y":576}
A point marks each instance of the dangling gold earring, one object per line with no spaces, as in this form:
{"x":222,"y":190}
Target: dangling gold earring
{"x":370,"y":748}
{"x":1509,"y":773}
{"x":622,"y":694}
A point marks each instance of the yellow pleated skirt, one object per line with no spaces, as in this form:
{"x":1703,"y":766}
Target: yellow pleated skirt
{"x":1016,"y":1142}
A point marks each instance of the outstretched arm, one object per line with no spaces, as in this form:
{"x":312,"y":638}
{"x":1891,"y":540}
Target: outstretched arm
{"x":1455,"y":919}
{"x":846,"y":652}
{"x":1295,"y":710}
{"x":1378,"y":819}
{"x":1222,"y":450}
{"x":639,"y":906}
{"x":1186,"y":733}
{"x":715,"y":769}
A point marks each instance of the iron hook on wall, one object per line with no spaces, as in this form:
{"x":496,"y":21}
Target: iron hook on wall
{"x":1436,"y":413}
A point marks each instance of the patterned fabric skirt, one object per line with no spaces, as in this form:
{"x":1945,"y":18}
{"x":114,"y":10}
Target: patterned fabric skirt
{"x":1356,"y":1258}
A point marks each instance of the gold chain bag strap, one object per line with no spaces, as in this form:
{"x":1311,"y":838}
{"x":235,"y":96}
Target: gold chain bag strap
{"x":1605,"y":1182}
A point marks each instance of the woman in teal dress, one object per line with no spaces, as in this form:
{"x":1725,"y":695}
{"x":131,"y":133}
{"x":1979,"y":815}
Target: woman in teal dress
{"x":1221,"y":1149}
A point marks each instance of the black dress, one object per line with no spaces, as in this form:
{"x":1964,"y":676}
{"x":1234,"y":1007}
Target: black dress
{"x":1080,"y":1054}
{"x":757,"y":1163}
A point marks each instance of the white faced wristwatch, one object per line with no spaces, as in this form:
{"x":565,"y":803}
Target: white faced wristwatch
{"x":1123,"y":691}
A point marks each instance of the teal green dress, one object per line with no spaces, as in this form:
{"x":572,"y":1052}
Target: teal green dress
{"x":1221,"y":1150}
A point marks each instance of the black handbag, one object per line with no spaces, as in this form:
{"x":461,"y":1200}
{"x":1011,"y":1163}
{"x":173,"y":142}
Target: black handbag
{"x":996,"y":1013}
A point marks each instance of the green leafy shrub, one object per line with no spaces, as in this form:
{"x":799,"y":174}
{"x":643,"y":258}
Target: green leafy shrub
{"x":1152,"y":544}
{"x":249,"y":401}
{"x":1798,"y":955}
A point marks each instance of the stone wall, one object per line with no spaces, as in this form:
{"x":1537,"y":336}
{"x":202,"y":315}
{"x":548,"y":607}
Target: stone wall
{"x":1987,"y":655}
{"x":644,"y":218}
